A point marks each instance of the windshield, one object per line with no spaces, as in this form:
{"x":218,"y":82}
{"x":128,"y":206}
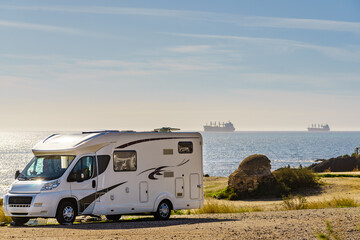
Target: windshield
{"x":46,"y":167}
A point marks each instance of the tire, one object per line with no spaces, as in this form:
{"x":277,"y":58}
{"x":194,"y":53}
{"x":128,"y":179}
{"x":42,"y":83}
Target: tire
{"x":114,"y":218}
{"x":20,"y":221}
{"x":66,"y":213}
{"x":163,"y":211}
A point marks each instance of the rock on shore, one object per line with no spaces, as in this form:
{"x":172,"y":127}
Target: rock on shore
{"x":253,"y":171}
{"x":339,"y":164}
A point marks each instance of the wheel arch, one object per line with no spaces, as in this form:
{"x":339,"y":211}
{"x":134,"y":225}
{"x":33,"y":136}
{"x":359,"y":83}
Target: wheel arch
{"x":72,"y":200}
{"x":162,"y":197}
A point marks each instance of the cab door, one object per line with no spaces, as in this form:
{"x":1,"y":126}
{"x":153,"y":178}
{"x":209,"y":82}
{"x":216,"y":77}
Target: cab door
{"x":83,"y":183}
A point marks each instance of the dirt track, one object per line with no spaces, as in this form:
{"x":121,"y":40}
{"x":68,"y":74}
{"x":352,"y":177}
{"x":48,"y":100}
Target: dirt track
{"x":301,"y":224}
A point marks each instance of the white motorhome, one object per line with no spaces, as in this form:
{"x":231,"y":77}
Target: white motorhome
{"x":109,"y":173}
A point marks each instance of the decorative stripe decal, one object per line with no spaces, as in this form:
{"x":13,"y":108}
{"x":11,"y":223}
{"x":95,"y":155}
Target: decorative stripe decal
{"x":86,"y":201}
{"x":151,"y":139}
{"x":159,"y":171}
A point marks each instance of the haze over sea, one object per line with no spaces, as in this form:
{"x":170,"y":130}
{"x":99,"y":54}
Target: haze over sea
{"x":222,"y":151}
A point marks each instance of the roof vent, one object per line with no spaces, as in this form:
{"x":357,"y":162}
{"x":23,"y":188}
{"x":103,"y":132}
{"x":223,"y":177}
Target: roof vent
{"x":101,"y":131}
{"x":166,"y":129}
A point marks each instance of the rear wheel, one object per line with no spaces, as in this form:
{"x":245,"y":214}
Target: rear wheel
{"x":114,"y":218}
{"x":20,"y":221}
{"x":163,"y":211}
{"x":66,"y":213}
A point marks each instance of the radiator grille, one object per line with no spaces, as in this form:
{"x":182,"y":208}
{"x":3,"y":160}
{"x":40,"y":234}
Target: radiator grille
{"x":20,"y":200}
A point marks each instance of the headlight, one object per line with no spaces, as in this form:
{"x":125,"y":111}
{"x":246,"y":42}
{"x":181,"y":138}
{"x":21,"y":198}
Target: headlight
{"x":50,"y":185}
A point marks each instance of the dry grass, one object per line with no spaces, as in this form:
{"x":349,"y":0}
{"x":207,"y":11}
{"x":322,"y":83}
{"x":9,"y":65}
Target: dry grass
{"x":214,"y":184}
{"x":300,"y":202}
{"x":2,"y":215}
{"x":216,"y":206}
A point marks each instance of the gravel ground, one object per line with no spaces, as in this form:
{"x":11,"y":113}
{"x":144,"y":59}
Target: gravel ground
{"x":301,"y":224}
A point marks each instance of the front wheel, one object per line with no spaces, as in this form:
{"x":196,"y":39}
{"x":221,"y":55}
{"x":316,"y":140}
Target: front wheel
{"x":66,"y":213}
{"x":114,"y":218}
{"x":163,"y":211}
{"x":20,"y":221}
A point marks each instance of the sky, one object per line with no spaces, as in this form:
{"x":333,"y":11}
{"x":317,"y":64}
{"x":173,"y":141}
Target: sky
{"x":265,"y":65}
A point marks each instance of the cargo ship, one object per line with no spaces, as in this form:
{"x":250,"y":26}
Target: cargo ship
{"x":219,"y":127}
{"x":319,"y":128}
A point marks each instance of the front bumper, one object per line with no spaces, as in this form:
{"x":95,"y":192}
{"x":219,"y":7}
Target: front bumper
{"x":42,"y":205}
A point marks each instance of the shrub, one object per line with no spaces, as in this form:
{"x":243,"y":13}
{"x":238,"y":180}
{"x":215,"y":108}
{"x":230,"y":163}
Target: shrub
{"x":291,"y":179}
{"x":288,"y":180}
{"x":294,"y":203}
{"x":225,"y":193}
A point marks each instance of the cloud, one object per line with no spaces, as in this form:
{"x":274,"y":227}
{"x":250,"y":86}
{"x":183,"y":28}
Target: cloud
{"x":321,"y":84}
{"x":109,"y":10}
{"x":333,"y":52}
{"x":38,"y":27}
{"x":190,"y":49}
{"x":240,"y":20}
{"x":297,"y":23}
{"x":49,"y":28}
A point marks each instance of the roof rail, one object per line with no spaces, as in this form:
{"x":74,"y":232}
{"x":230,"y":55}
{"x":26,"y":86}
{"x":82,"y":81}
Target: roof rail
{"x":100,"y":131}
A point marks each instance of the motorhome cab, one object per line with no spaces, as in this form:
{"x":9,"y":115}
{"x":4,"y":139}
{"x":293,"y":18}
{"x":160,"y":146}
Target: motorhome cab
{"x":109,"y":173}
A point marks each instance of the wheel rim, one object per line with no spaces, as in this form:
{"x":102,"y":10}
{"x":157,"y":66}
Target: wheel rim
{"x":68,"y":213}
{"x":164,"y":210}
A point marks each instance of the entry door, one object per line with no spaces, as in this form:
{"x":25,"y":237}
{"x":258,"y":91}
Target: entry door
{"x":194,"y":186}
{"x":179,"y":187}
{"x":144,"y":192}
{"x":83,"y":183}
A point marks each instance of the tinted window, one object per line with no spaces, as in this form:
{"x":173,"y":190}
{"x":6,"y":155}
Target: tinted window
{"x":185,"y":147}
{"x":125,"y":161}
{"x":83,"y":170}
{"x":103,"y":162}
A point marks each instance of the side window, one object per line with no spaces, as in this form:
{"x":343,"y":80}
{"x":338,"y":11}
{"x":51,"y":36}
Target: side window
{"x":125,"y":161}
{"x":185,"y":147}
{"x":83,"y":170}
{"x":103,"y":162}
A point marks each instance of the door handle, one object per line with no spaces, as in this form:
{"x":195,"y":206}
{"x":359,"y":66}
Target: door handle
{"x":93,"y":183}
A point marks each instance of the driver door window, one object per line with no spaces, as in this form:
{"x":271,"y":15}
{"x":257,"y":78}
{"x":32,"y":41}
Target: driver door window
{"x":83,"y":170}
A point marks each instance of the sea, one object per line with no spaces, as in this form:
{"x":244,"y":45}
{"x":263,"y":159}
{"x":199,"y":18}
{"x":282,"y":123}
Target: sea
{"x":222,"y":152}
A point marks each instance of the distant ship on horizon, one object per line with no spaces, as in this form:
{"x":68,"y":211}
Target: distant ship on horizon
{"x":319,"y":128}
{"x":220,"y":127}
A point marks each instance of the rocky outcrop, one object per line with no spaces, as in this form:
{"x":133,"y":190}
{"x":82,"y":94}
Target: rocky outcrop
{"x":253,"y":172}
{"x":339,"y":164}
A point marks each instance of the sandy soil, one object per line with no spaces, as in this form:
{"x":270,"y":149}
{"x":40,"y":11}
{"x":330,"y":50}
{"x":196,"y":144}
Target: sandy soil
{"x":301,"y":224}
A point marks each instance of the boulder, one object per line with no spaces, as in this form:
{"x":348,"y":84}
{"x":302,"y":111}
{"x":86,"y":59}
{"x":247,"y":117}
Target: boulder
{"x":344,"y":163}
{"x":253,"y":172}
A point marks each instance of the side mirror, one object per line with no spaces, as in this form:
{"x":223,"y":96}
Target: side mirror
{"x":17,"y":173}
{"x":79,"y":177}
{"x":75,"y":177}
